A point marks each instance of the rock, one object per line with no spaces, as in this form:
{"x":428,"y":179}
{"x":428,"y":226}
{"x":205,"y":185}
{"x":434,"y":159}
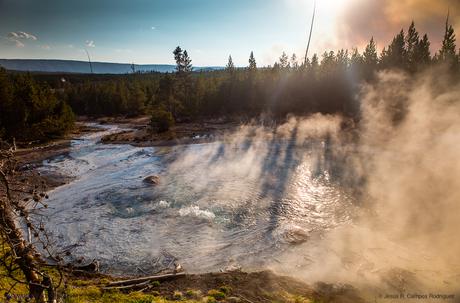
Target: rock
{"x":233,"y":299}
{"x":152,"y":180}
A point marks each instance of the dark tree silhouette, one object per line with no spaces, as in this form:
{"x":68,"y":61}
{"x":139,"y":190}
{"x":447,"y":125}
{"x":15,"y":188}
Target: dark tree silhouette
{"x":252,"y":62}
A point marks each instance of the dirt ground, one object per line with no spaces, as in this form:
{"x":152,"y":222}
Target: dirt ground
{"x":181,"y":133}
{"x":264,"y":286}
{"x":31,"y":157}
{"x":239,"y":286}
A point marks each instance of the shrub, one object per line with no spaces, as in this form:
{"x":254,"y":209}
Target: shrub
{"x":193,"y":293}
{"x":177,"y":295}
{"x":156,"y":283}
{"x":225,"y":289}
{"x":161,"y":120}
{"x":211,"y":300}
{"x":216,"y":294}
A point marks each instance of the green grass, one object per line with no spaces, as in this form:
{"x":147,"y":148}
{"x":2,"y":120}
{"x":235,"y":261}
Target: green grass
{"x":217,"y":294}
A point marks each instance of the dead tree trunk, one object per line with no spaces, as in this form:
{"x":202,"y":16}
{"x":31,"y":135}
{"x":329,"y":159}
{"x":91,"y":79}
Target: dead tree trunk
{"x":23,"y":254}
{"x":13,"y":210}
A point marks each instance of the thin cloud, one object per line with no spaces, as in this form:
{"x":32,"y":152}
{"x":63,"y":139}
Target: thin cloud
{"x":90,"y":43}
{"x":18,"y":37}
{"x":153,"y":27}
{"x":18,"y":43}
{"x":123,"y":50}
{"x":22,"y":35}
{"x":45,"y":47}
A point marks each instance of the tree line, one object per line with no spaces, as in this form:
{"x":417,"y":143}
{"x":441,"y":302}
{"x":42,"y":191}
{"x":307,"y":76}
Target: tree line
{"x":327,"y":84}
{"x":30,"y":110}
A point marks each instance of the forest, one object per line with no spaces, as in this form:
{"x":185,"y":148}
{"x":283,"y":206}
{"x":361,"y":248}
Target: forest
{"x":42,"y":106}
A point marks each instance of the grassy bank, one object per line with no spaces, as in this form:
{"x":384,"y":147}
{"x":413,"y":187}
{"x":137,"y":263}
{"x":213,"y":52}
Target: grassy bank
{"x":212,"y":287}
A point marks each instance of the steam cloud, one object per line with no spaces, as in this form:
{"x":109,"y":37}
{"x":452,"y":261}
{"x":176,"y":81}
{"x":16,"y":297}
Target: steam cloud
{"x":384,"y":18}
{"x":406,"y":236}
{"x":405,"y":160}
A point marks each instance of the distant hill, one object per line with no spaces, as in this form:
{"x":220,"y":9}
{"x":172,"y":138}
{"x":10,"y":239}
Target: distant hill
{"x":71,"y":66}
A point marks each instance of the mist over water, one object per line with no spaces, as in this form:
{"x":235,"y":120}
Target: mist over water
{"x":377,"y":206}
{"x":406,"y":235}
{"x":238,"y":202}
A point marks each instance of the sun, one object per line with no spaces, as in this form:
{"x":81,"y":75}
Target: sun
{"x":332,"y":8}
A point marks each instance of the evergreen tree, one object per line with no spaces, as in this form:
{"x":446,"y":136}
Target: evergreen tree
{"x":395,"y":55}
{"x":356,"y":60}
{"x":187,"y":63}
{"x":179,"y":57}
{"x":412,"y":43}
{"x":252,"y":62}
{"x":284,"y":61}
{"x":314,"y":62}
{"x":370,"y":59}
{"x":294,"y":64}
{"x":448,"y":51}
{"x":328,"y":63}
{"x":342,"y":59}
{"x":422,"y":55}
{"x":230,"y":65}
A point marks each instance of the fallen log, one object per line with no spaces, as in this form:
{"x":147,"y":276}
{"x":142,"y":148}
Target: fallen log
{"x":146,"y":279}
{"x":125,"y":287}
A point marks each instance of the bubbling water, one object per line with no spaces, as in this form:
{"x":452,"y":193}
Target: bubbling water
{"x":241,"y":201}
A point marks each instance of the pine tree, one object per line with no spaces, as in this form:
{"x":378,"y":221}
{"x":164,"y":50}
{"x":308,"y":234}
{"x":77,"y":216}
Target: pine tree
{"x":412,"y":43}
{"x":395,"y":55}
{"x":187,"y":62}
{"x":356,"y":60}
{"x":230,"y":66}
{"x":294,"y":63}
{"x":178,"y":56}
{"x":314,"y":62}
{"x":342,"y":58}
{"x":370,"y":57}
{"x":422,"y":55}
{"x":448,"y":50}
{"x":284,"y":61}
{"x":328,"y":62}
{"x":252,"y":62}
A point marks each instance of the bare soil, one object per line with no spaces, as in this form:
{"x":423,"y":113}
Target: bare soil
{"x":182,"y":133}
{"x":264,"y":286}
{"x":31,"y":155}
{"x":250,"y":287}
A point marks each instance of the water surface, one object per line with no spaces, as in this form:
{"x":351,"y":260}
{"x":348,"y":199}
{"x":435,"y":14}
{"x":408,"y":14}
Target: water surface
{"x":238,"y":203}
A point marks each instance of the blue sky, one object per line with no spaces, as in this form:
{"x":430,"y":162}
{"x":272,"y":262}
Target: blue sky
{"x":146,"y":31}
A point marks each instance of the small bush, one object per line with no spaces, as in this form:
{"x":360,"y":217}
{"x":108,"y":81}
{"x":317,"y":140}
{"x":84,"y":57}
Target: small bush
{"x":161,"y":120}
{"x":211,"y":300}
{"x":216,"y":294}
{"x":178,"y":295}
{"x":195,"y":294}
{"x":225,"y":289}
{"x":156,"y":283}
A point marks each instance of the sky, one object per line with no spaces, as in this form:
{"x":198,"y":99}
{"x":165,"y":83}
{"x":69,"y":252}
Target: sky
{"x":147,"y":31}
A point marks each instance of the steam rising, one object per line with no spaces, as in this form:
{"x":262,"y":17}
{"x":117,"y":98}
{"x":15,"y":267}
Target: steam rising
{"x":376,"y":206}
{"x":405,"y":165}
{"x":406,"y":237}
{"x":365,"y":18}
